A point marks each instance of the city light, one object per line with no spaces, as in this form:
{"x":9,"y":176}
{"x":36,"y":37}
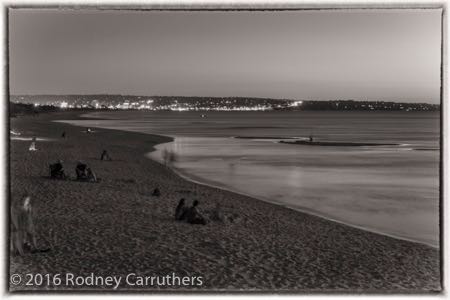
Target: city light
{"x":181,"y":104}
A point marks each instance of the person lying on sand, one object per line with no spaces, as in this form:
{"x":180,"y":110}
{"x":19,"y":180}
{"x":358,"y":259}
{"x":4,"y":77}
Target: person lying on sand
{"x":193,"y":215}
{"x":181,"y":210}
{"x":22,"y":226}
{"x":105,"y":155}
{"x":57,"y":170}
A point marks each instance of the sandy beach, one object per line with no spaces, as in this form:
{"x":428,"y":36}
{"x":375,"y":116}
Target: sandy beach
{"x":115,"y":227}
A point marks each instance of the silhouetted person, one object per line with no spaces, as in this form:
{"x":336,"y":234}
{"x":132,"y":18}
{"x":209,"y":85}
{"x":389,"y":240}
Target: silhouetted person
{"x":91,"y":177}
{"x":180,"y":211}
{"x":81,"y":171}
{"x":193,"y":216}
{"x":57,"y":170}
{"x":63,"y":135}
{"x":311,"y":138}
{"x":156,"y":192}
{"x":105,"y":155}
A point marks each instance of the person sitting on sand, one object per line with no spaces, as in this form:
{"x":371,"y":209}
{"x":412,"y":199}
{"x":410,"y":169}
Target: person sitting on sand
{"x":81,"y":171}
{"x":57,"y":170}
{"x":105,"y":155}
{"x":193,"y":216}
{"x":22,"y":226}
{"x":156,"y":193}
{"x":180,"y":211}
{"x":91,"y":177}
{"x":88,"y":130}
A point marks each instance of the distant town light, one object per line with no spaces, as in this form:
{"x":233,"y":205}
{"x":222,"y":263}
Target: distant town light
{"x":226,"y":104}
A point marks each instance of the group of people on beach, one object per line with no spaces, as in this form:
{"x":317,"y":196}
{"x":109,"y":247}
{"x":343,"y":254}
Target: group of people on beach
{"x":191,"y":214}
{"x":23,"y":230}
{"x":23,"y":234}
{"x":82,"y":170}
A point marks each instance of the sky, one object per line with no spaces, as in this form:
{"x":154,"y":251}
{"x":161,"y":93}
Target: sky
{"x":390,"y":55}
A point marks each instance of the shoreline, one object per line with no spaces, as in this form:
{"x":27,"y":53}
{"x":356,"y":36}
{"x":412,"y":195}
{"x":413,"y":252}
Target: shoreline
{"x":193,"y":179}
{"x":201,"y":181}
{"x":242,"y":243}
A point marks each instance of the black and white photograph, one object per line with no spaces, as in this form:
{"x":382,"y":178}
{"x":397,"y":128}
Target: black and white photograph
{"x":221,"y":150}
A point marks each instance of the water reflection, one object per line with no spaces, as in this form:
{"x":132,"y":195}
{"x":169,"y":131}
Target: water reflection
{"x":389,"y":189}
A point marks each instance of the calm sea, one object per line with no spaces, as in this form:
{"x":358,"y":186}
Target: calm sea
{"x":388,"y":189}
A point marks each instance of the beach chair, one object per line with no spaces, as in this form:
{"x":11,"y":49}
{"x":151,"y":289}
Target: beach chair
{"x":81,"y":171}
{"x":57,"y":171}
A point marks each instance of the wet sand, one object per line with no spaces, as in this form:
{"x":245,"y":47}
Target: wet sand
{"x":115,"y":227}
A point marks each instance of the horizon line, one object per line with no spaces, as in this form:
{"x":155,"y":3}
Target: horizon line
{"x":249,"y":97}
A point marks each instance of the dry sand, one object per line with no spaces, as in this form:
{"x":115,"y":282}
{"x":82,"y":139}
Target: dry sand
{"x":116,"y":227}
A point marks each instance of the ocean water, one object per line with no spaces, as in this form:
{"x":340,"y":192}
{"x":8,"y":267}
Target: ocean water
{"x":392,"y":190}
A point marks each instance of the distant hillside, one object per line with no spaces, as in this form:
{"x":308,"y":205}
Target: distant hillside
{"x":17,"y":109}
{"x":214,"y":103}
